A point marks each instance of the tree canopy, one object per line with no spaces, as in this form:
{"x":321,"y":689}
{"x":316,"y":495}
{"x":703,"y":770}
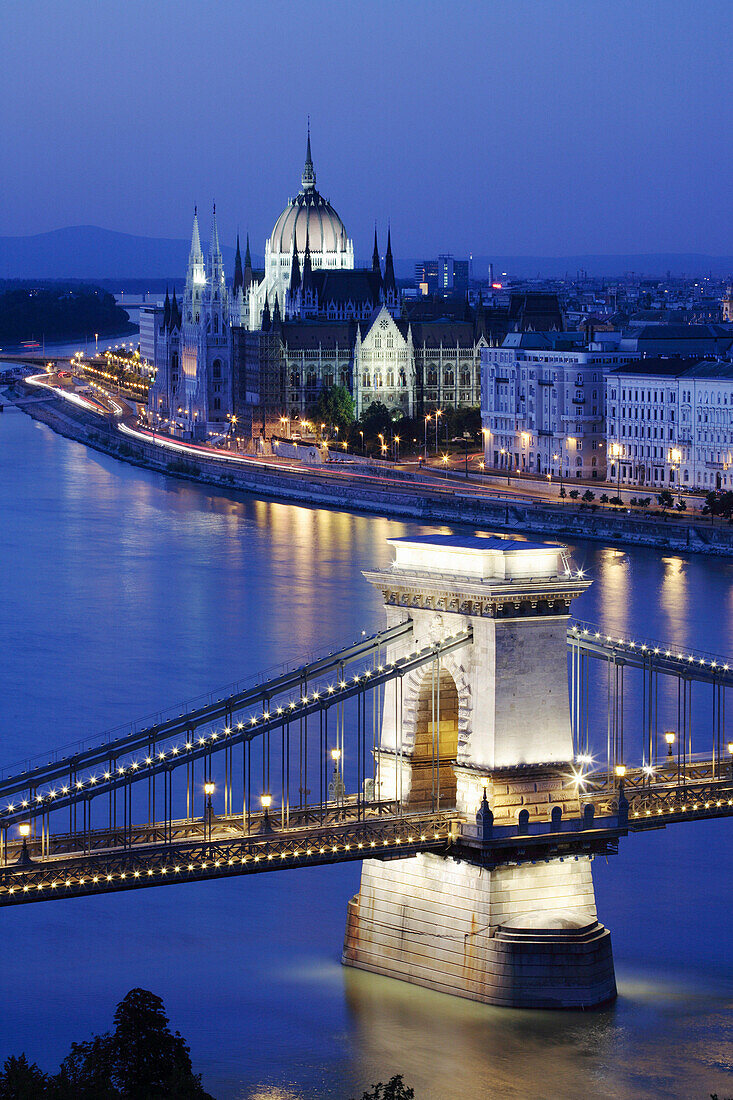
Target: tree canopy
{"x":140,"y":1060}
{"x":335,"y":407}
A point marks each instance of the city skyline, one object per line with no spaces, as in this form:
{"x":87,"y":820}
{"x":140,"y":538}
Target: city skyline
{"x":457,"y":122}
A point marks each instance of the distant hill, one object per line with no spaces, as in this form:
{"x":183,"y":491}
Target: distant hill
{"x":87,"y":252}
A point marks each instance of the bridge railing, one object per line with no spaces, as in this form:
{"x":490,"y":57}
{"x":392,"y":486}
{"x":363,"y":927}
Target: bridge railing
{"x":301,"y":742}
{"x":642,"y":704}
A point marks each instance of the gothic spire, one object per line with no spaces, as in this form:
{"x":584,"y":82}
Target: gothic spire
{"x":307,"y":267}
{"x":167,"y":310}
{"x":295,"y":269}
{"x":214,"y":248}
{"x":196,"y":252}
{"x":248,"y":277}
{"x":238,"y":274}
{"x":376,"y":268}
{"x":389,"y":279}
{"x":276,"y":317}
{"x":308,"y":179}
{"x":266,"y":315}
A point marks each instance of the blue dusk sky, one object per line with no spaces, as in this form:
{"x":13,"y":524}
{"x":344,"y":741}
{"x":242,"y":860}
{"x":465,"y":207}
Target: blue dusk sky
{"x":542,"y":127}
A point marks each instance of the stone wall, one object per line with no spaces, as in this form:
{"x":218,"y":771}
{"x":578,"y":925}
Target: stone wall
{"x":522,"y":936}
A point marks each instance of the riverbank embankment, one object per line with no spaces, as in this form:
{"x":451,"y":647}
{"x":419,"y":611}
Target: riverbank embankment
{"x":427,"y":503}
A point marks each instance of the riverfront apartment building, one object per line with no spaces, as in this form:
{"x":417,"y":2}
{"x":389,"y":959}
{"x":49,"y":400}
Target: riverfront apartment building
{"x":669,"y":423}
{"x":543,"y":402}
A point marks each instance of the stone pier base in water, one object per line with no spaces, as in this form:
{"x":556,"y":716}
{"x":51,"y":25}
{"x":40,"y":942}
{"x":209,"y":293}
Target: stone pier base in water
{"x":523,"y":937}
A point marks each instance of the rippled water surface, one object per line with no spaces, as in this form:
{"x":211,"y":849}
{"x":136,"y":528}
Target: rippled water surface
{"x":123,"y":591}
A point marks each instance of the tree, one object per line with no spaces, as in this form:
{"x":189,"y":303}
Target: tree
{"x":588,"y":496}
{"x":574,"y":494}
{"x":664,"y":499}
{"x":376,"y":418}
{"x":394,"y":1089}
{"x":86,"y":1071}
{"x":22,"y":1080}
{"x":334,"y":406}
{"x":604,"y":498}
{"x":149,"y":1060}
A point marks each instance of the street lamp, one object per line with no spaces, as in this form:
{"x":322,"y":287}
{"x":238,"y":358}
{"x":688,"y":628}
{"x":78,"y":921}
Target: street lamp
{"x":362,"y":442}
{"x":616,"y":451}
{"x":675,"y":458}
{"x":336,"y":788}
{"x":669,"y":737}
{"x":438,"y":413}
{"x":266,"y":802}
{"x":208,"y":791}
{"x":620,"y":771}
{"x":25,"y":857}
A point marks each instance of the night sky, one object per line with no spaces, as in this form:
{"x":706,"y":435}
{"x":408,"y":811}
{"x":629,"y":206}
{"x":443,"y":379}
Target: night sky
{"x":545,"y":128}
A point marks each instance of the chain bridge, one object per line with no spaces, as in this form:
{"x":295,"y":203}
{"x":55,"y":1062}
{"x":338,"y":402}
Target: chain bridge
{"x":475,"y":756}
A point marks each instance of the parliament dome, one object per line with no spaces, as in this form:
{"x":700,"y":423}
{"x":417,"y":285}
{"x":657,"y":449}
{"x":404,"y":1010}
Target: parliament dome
{"x":308,"y":217}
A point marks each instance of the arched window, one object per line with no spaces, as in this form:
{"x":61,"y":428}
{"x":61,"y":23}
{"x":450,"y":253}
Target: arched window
{"x":390,"y":379}
{"x":217,"y":402}
{"x":216,"y":369}
{"x":344,"y":377}
{"x":449,"y":380}
{"x":216,"y":323}
{"x":311,"y":380}
{"x":366,"y":380}
{"x":294,"y":379}
{"x":432,"y":378}
{"x":465,"y":378}
{"x":403,"y":379}
{"x":377,"y":379}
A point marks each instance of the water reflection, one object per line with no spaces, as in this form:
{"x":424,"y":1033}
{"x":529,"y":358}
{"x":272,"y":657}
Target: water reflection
{"x":448,"y":1047}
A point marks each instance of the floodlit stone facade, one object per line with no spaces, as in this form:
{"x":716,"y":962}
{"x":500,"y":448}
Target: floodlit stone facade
{"x":492,"y":716}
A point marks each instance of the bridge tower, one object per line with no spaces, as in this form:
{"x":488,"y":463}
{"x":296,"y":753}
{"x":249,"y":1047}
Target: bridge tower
{"x":491,"y":717}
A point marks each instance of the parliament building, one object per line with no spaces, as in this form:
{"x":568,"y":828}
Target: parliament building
{"x":264,"y":344}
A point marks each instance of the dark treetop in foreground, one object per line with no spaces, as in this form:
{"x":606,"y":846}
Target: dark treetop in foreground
{"x":140,"y":1060}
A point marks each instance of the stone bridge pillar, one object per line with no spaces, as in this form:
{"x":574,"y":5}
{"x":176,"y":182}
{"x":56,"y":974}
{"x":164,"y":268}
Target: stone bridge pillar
{"x":491,"y":716}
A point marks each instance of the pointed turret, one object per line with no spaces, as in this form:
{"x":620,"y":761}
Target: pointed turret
{"x":389,"y":284}
{"x":238,"y":273}
{"x":276,"y":317}
{"x":308,"y":179}
{"x":248,"y":277}
{"x":195,"y":237}
{"x":295,"y":270}
{"x":196,"y":274}
{"x":167,"y":310}
{"x":376,"y":267}
{"x":266,"y":321}
{"x":389,"y":279}
{"x":175,"y":312}
{"x":307,"y":266}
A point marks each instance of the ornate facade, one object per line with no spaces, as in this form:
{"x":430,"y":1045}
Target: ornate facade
{"x":267,"y":346}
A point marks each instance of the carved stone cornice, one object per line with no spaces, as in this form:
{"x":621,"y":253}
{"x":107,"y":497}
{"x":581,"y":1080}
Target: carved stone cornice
{"x":486,"y":599}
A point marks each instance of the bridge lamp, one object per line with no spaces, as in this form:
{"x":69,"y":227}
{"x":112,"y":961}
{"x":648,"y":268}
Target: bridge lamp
{"x":620,"y":770}
{"x":730,"y":748}
{"x":335,"y":755}
{"x":266,"y":800}
{"x":24,"y":858}
{"x":669,"y":737}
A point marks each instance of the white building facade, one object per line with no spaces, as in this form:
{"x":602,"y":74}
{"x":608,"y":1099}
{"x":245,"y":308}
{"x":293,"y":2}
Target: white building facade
{"x":543,"y":403}
{"x":670,"y":424}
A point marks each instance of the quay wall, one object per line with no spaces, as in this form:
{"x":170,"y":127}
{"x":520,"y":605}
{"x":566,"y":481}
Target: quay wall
{"x":452,"y":503}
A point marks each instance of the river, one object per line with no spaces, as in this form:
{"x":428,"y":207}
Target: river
{"x":123,"y":590}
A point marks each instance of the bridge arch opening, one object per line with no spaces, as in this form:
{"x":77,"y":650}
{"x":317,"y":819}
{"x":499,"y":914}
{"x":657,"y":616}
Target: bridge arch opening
{"x":436,"y":741}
